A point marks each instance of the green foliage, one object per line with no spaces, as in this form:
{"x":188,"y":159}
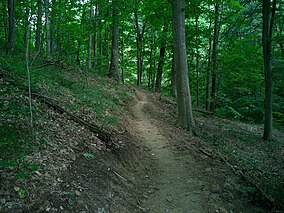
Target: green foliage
{"x":89,"y":156}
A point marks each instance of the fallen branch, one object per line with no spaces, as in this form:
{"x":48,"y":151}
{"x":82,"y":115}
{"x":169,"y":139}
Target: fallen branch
{"x":104,"y":136}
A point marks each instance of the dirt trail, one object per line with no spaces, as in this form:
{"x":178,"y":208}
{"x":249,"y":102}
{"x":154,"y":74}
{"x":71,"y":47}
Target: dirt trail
{"x":181,"y":185}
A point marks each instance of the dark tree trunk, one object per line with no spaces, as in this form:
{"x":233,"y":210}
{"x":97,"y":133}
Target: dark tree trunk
{"x":47,"y":26}
{"x":11,"y":28}
{"x":90,"y":36}
{"x":38,"y":26}
{"x":139,"y":44}
{"x":162,"y":58}
{"x":267,"y":29}
{"x":173,"y":77}
{"x":113,"y":70}
{"x":5,"y":21}
{"x":152,"y":61}
{"x":208,"y":73}
{"x":96,"y":36}
{"x":214,"y":57}
{"x":197,"y":62}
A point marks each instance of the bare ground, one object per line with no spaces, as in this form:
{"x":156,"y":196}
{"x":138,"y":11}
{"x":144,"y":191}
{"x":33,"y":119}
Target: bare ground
{"x":185,"y":182}
{"x":159,"y":169}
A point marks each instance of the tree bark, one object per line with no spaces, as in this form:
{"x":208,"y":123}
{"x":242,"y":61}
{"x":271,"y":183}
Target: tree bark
{"x":96,"y":36}
{"x":197,"y":62}
{"x":47,"y":26}
{"x":90,"y":36}
{"x":214,"y":57}
{"x":139,"y":44}
{"x":38,"y":25}
{"x":267,"y":29}
{"x":208,"y":73}
{"x":11,"y":24}
{"x":173,"y":77}
{"x":185,"y":115}
{"x":162,"y":58}
{"x":113,"y":70}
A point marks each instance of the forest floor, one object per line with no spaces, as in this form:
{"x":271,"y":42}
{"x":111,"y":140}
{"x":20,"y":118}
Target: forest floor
{"x":157,"y":167}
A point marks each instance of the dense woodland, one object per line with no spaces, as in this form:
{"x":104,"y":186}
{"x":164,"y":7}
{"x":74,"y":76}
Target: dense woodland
{"x":132,"y":41}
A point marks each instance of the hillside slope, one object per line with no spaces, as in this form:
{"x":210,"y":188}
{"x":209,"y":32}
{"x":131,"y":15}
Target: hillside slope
{"x":64,"y":165}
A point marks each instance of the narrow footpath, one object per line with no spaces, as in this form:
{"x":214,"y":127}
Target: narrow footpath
{"x":183,"y":184}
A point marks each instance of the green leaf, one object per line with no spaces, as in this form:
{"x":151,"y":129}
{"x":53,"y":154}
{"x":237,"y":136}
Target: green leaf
{"x":89,"y":156}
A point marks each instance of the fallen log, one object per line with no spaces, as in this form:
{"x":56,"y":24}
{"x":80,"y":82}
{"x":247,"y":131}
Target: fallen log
{"x":102,"y":135}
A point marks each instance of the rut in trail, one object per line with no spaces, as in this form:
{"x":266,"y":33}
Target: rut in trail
{"x":183,"y":184}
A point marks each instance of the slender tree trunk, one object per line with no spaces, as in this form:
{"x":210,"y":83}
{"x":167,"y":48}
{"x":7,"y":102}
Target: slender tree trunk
{"x":150,"y":72}
{"x":113,"y":70}
{"x":11,"y":28}
{"x":267,"y":29}
{"x":26,"y":41}
{"x":90,"y":36}
{"x":208,"y":73}
{"x":185,"y":115}
{"x":122,"y":54}
{"x":47,"y":26}
{"x":162,"y":58}
{"x":38,"y":25}
{"x":197,"y":62}
{"x":139,"y":40}
{"x":214,"y":57}
{"x":96,"y":36}
{"x":5,"y":21}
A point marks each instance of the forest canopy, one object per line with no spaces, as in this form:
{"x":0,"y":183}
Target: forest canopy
{"x":224,"y":44}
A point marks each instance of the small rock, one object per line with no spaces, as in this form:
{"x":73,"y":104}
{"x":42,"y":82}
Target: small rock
{"x":77,"y":193}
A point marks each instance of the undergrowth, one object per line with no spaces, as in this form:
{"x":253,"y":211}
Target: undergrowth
{"x":80,"y":91}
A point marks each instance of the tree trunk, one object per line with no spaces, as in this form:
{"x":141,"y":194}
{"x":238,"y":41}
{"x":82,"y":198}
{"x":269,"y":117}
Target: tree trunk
{"x":197,"y":62}
{"x":208,"y":73}
{"x":96,"y":36}
{"x":185,"y":115}
{"x":173,"y":77}
{"x":47,"y":26}
{"x":267,"y":29}
{"x":90,"y":36}
{"x":162,"y":58}
{"x":139,"y":39}
{"x":214,"y":57}
{"x":113,"y":70}
{"x":38,"y":25}
{"x":151,"y":59}
{"x":11,"y":28}
{"x":5,"y":21}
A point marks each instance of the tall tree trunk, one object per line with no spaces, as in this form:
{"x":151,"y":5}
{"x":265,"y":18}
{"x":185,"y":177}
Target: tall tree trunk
{"x":26,"y":41}
{"x":214,"y":57}
{"x":185,"y":115}
{"x":197,"y":62}
{"x":267,"y":29}
{"x":122,"y":54}
{"x":90,"y":36}
{"x":139,"y":44}
{"x":11,"y":28}
{"x":151,"y":59}
{"x":173,"y":77}
{"x":208,"y":69}
{"x":5,"y":21}
{"x":113,"y":70}
{"x":47,"y":26}
{"x":96,"y":36}
{"x":38,"y":25}
{"x":162,"y":58}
